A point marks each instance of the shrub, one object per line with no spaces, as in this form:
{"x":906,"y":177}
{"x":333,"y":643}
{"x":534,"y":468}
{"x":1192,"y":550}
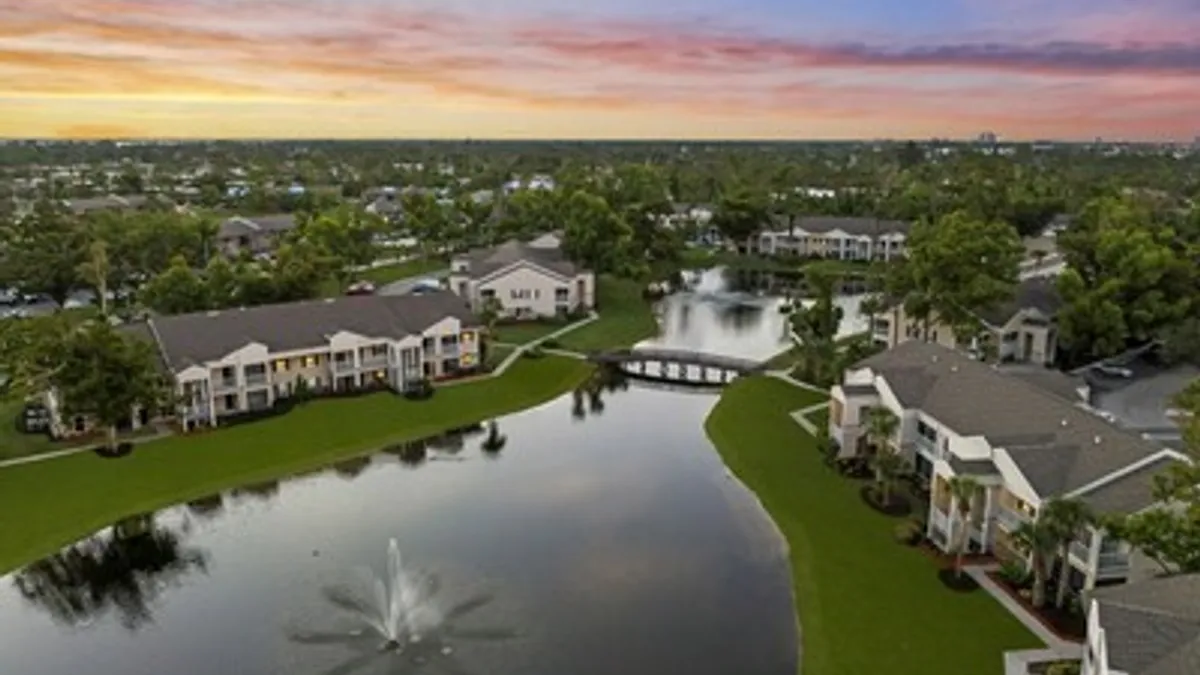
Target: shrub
{"x":123,"y":449}
{"x":1064,"y":668}
{"x":421,"y":390}
{"x":1015,"y":574}
{"x":909,"y":532}
{"x":535,"y":352}
{"x":550,"y":343}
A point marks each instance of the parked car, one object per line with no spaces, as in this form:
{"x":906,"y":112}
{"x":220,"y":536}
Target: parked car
{"x":1113,"y":371}
{"x":361,"y":288}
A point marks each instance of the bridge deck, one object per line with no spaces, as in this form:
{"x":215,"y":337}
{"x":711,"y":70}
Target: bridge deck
{"x":679,"y":356}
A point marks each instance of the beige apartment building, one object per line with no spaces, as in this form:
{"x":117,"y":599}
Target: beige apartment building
{"x":1023,"y":330}
{"x":839,"y":238}
{"x":235,"y":361}
{"x":527,"y":281}
{"x":1025,"y":436}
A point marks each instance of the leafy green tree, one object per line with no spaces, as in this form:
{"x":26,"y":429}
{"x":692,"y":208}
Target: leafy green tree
{"x":597,"y":236}
{"x":223,"y":283}
{"x":177,"y":290}
{"x":298,"y":271}
{"x":1128,"y":278}
{"x":95,"y":270}
{"x":528,"y":213}
{"x":95,"y":370}
{"x":346,"y":234}
{"x":960,"y":266}
{"x":740,"y":215}
{"x":42,"y":251}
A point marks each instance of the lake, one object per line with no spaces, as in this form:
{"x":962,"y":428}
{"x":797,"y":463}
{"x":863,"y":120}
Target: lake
{"x":605,"y":536}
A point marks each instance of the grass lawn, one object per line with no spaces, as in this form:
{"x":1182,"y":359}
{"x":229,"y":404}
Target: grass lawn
{"x":784,"y":360}
{"x":520,"y":333}
{"x":866,"y":603}
{"x":404,"y":270}
{"x":49,"y":504}
{"x":625,"y":318}
{"x":497,"y":354}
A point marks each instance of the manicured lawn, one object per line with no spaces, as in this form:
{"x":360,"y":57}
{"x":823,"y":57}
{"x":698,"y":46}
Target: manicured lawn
{"x":625,"y":318}
{"x":497,"y":354}
{"x":520,"y":333}
{"x":48,"y":504}
{"x":404,"y":270}
{"x":866,"y":603}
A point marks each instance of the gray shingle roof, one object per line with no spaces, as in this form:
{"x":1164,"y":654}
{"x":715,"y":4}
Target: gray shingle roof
{"x":238,"y":226}
{"x":191,"y":339}
{"x":1039,"y":293}
{"x":1059,"y":446}
{"x":1132,"y":492}
{"x":483,"y":262}
{"x":1153,"y":627}
{"x":1053,"y":381}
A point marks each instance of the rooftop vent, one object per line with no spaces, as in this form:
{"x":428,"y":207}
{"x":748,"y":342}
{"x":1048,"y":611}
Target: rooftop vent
{"x":954,"y":368}
{"x":1096,"y":439}
{"x":1064,"y":422}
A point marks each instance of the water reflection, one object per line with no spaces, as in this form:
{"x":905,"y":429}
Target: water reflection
{"x":588,"y":398}
{"x":123,"y":571}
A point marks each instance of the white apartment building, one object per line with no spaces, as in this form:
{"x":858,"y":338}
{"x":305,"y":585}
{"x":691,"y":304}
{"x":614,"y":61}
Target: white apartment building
{"x":1023,"y":330}
{"x":1025,"y":437}
{"x":833,"y":237}
{"x":235,"y":361}
{"x":253,"y":234}
{"x":1146,"y":628}
{"x":527,"y":281}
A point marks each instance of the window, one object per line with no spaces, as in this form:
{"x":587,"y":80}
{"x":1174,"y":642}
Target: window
{"x":487,"y":293}
{"x":311,"y":361}
{"x":522,"y":294}
{"x":427,"y":344}
{"x":449,"y":340}
{"x":280,"y":365}
{"x":561,"y":294}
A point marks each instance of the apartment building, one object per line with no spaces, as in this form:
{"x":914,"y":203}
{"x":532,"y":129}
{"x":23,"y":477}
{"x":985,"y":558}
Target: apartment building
{"x":1146,"y":628}
{"x":253,"y":234}
{"x":1025,"y":437}
{"x":1023,"y":330}
{"x":234,"y":361}
{"x":527,"y":281}
{"x":838,"y":238}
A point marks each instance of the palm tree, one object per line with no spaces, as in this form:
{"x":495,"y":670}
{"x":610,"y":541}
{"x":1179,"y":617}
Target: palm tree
{"x":1037,"y":540}
{"x":489,"y":313}
{"x":963,"y":489}
{"x":95,"y":270}
{"x":881,"y":426}
{"x":1064,"y":518}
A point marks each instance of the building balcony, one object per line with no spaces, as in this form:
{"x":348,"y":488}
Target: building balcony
{"x":1009,"y":519}
{"x":374,"y":363}
{"x":224,"y":384}
{"x":926,"y":447}
{"x":346,"y":366}
{"x":257,"y":380}
{"x":450,"y":351}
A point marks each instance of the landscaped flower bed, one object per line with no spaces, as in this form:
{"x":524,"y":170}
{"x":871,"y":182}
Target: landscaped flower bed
{"x":1068,"y":623}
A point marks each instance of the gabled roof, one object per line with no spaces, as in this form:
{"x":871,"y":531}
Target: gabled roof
{"x":190,"y":339}
{"x":1059,"y":446}
{"x":483,"y":262}
{"x":1039,"y":293}
{"x":239,"y":226}
{"x":1152,"y":627}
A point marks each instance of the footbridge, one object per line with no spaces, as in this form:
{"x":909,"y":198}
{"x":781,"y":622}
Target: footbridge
{"x":678,"y":365}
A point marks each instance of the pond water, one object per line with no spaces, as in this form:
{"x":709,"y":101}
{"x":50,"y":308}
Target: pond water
{"x":605,"y":536}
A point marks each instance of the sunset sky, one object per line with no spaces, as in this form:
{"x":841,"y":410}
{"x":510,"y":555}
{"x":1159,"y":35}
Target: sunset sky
{"x":600,"y":69}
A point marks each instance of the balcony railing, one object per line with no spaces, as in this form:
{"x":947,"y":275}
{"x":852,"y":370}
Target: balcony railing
{"x":375,"y":362}
{"x":345,"y":366}
{"x":926,"y":447}
{"x":1010,"y":519}
{"x":225,"y":383}
{"x":450,"y":351}
{"x":256,"y":379}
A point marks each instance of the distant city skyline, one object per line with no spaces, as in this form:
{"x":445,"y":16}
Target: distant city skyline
{"x":615,"y":69}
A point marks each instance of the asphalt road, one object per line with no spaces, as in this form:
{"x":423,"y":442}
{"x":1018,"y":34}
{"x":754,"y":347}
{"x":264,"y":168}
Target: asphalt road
{"x":405,"y":286}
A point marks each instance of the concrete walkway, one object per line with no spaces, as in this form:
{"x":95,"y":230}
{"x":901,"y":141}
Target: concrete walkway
{"x":1017,"y":662}
{"x":801,"y":417}
{"x":787,"y":377}
{"x":67,"y":452}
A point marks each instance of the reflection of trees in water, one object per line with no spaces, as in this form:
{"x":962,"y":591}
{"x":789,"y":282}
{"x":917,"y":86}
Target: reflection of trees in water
{"x":123,"y":571}
{"x":410,"y":453}
{"x":266,"y":490}
{"x":740,"y":316}
{"x":588,"y":398}
{"x":351,"y":468}
{"x":453,"y":441}
{"x":416,"y":452}
{"x":495,"y":441}
{"x":207,"y":508}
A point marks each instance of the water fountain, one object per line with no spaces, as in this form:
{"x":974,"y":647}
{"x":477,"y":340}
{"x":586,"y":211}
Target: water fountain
{"x":397,"y":614}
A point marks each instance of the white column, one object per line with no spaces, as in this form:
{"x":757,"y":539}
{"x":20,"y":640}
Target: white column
{"x":985,"y":527}
{"x":1093,"y":561}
